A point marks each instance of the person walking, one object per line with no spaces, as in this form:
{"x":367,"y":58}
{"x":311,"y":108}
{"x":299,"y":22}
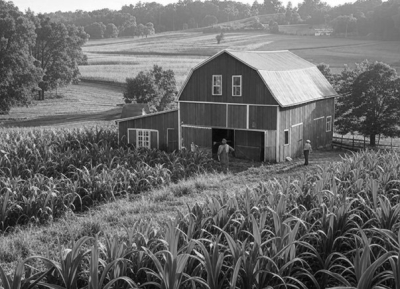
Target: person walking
{"x":307,"y":150}
{"x":223,"y":155}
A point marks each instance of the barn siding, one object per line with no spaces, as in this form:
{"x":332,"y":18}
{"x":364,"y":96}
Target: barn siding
{"x":249,"y":144}
{"x":262,"y":117}
{"x":237,"y":116}
{"x":313,"y":118}
{"x":199,"y":135}
{"x":160,"y":122}
{"x":203,"y":114}
{"x":199,"y":86}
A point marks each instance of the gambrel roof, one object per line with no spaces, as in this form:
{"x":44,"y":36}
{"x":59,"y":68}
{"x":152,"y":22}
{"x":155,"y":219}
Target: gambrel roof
{"x":291,"y":79}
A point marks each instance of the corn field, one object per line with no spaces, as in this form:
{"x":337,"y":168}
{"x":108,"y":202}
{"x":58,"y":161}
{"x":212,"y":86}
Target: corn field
{"x":44,"y":173}
{"x":335,"y":229}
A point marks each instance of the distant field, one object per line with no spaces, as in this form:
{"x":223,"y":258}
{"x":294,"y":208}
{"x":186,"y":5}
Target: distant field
{"x":84,"y":104}
{"x":116,"y":59}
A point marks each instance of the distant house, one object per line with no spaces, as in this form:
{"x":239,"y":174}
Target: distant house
{"x":266,"y":104}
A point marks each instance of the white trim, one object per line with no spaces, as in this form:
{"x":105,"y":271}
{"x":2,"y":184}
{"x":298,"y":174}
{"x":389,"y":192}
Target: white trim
{"x":330,"y":123}
{"x":227,"y":114}
{"x":240,"y":85}
{"x":247,"y":116}
{"x":284,"y":138}
{"x":212,"y":85}
{"x":143,"y":116}
{"x":149,"y":130}
{"x":194,"y":126}
{"x":319,"y":118}
{"x":297,"y":124}
{"x":265,"y":146}
{"x":230,"y":103}
{"x":179,"y":127}
{"x":221,"y":127}
{"x":278,"y":123}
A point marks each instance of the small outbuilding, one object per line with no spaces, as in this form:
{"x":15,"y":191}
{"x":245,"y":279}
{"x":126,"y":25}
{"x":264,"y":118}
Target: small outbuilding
{"x":265,"y":103}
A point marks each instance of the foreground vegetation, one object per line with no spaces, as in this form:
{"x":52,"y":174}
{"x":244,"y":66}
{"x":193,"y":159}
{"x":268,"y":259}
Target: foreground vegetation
{"x":44,"y":173}
{"x":335,"y":228}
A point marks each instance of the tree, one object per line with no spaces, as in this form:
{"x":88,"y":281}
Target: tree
{"x":18,"y":73}
{"x":370,"y":105}
{"x":95,"y":30}
{"x":111,"y":31}
{"x":58,"y":49}
{"x":140,"y":30}
{"x":156,"y":87}
{"x":220,"y":37}
{"x":344,"y":24}
{"x":272,"y":6}
{"x":231,"y":11}
{"x":129,"y":28}
{"x":273,"y":26}
{"x":210,"y":20}
{"x":149,"y":29}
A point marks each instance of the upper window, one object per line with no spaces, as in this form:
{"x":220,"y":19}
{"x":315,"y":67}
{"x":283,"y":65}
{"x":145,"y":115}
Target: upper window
{"x":236,"y":85}
{"x":286,"y":131}
{"x":328,"y":123}
{"x":143,"y":139}
{"x":217,"y":85}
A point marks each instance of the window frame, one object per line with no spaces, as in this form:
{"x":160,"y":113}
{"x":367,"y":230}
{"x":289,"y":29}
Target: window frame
{"x":213,"y":85}
{"x":330,"y":123}
{"x":284,"y":137}
{"x":148,"y":136}
{"x":234,"y":86}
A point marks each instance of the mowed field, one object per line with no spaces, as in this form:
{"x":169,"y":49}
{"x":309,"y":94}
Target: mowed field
{"x":117,"y":59}
{"x":75,"y":105}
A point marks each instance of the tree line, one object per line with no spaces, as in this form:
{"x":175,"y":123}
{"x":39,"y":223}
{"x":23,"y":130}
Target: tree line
{"x":380,"y":19}
{"x":36,"y":54}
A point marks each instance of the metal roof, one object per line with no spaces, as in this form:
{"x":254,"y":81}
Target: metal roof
{"x":291,"y":79}
{"x":145,"y":115}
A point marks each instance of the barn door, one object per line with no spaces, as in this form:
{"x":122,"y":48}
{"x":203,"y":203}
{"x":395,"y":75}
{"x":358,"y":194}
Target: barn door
{"x":132,"y":136}
{"x":297,"y":140}
{"x":172,"y":135}
{"x":154,"y":139}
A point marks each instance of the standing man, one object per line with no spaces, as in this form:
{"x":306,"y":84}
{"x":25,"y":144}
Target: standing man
{"x":307,"y":150}
{"x":223,"y":155}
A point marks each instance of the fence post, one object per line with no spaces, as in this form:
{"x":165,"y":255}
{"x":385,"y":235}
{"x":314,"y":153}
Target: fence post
{"x":364,"y":142}
{"x":353,"y":142}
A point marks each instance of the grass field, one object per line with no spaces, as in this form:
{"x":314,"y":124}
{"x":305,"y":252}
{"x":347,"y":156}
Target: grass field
{"x":181,"y":51}
{"x":83,"y":104}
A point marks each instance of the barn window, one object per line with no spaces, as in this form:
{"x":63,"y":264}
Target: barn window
{"x":217,"y":85}
{"x":328,"y":123}
{"x":236,"y":85}
{"x":143,"y":138}
{"x":286,"y":131}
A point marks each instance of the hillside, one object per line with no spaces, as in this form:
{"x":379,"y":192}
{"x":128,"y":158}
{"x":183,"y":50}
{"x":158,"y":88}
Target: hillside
{"x":117,"y":59}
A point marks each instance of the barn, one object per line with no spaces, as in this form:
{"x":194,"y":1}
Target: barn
{"x":265,"y":103}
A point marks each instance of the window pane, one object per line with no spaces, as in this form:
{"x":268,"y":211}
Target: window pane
{"x":236,"y":80}
{"x":286,"y":137}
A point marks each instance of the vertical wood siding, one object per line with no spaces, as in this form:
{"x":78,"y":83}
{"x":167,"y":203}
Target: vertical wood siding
{"x":237,"y":116}
{"x":313,"y":118}
{"x":270,"y":146}
{"x":249,"y":144}
{"x":203,"y":114}
{"x":160,"y":122}
{"x":199,"y":86}
{"x":200,"y":136}
{"x":262,"y":117}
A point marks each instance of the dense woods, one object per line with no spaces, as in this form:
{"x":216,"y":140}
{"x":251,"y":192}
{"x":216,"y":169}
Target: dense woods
{"x":375,"y":17}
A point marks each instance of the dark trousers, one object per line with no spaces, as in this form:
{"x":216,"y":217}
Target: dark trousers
{"x":306,"y":153}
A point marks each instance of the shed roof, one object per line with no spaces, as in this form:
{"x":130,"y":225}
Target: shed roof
{"x":291,"y":79}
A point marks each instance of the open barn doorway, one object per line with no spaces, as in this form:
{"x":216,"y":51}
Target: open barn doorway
{"x":217,"y":136}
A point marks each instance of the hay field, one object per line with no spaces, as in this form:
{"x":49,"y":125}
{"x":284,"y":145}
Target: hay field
{"x":117,"y":59}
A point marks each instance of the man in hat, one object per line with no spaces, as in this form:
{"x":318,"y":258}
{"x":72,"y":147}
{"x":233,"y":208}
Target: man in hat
{"x":307,"y":150}
{"x":223,"y":155}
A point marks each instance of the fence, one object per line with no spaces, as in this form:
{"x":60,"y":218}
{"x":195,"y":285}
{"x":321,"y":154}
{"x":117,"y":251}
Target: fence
{"x":357,"y":142}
